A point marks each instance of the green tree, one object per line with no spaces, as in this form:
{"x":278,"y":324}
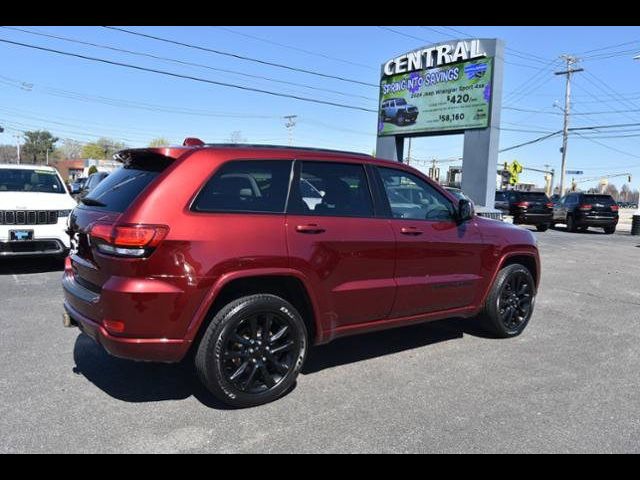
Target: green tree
{"x":93,"y":169}
{"x":36,"y":145}
{"x":159,"y":142}
{"x":102,"y":149}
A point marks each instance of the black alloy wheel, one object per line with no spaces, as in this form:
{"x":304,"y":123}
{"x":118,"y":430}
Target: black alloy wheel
{"x":516,"y":300}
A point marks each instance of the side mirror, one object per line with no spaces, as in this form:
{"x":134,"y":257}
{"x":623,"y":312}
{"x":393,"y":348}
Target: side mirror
{"x":466,"y":210}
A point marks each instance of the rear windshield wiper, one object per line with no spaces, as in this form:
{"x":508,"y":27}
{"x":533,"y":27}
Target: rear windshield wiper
{"x":92,"y":203}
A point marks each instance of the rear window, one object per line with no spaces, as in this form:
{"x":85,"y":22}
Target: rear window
{"x":118,"y":191}
{"x":534,"y":196}
{"x":258,"y":186}
{"x":602,"y":199}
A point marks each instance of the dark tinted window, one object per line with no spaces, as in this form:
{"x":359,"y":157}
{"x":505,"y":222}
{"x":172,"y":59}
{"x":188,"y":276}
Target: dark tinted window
{"x":247,"y":186}
{"x":118,"y":191}
{"x":332,"y":189}
{"x":534,"y":197}
{"x":501,"y":196}
{"x":22,"y":180}
{"x":412,"y":197}
{"x":602,"y":199}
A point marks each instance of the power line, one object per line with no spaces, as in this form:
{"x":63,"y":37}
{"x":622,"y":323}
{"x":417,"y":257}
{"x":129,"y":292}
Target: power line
{"x":190,"y":77}
{"x":297,"y":49}
{"x":182,"y":62}
{"x":240,"y":57}
{"x":530,"y":142}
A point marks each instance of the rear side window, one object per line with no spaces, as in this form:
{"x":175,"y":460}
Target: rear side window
{"x":247,"y":186}
{"x":118,"y":191}
{"x":331,"y":189}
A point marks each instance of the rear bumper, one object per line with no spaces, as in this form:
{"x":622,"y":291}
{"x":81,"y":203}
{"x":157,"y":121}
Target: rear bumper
{"x":533,"y":218}
{"x":594,"y":221}
{"x":77,"y":298}
{"x":142,"y":349}
{"x":33,"y":248}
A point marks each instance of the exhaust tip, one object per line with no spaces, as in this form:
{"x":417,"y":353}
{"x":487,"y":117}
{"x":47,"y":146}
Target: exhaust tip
{"x":67,"y":321}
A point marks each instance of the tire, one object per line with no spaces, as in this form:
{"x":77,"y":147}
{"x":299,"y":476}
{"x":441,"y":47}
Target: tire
{"x":219,"y":356}
{"x":400,"y":119}
{"x":609,"y":230}
{"x":542,"y":228}
{"x":494,"y":316}
{"x":571,"y":225}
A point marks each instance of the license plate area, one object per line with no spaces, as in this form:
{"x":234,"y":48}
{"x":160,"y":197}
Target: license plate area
{"x":20,"y":235}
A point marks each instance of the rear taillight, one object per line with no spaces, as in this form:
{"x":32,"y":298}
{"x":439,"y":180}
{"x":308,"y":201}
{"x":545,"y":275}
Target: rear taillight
{"x":585,"y":208}
{"x":615,"y":208}
{"x":522,"y":204}
{"x":127,"y":240}
{"x":549,"y":204}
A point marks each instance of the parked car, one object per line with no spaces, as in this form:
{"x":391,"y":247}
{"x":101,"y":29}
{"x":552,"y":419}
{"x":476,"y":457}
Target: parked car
{"x":91,"y":183}
{"x":398,"y":111}
{"x":178,"y":253}
{"x":530,"y":208}
{"x":34,"y":209}
{"x":502,"y":201}
{"x":579,"y":211}
{"x":77,"y":186}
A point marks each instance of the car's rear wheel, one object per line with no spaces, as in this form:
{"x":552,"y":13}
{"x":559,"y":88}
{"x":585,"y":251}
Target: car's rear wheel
{"x":252,"y":351}
{"x":609,"y":230}
{"x":542,"y":228}
{"x":400,"y":118}
{"x":571,"y":224}
{"x":510,"y":303}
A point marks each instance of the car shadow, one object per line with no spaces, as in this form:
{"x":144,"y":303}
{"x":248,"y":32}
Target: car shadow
{"x":582,"y":232}
{"x":25,"y":265}
{"x":137,"y":382}
{"x":358,"y":348}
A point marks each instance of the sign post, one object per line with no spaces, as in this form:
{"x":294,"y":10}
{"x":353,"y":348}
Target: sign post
{"x":449,"y":88}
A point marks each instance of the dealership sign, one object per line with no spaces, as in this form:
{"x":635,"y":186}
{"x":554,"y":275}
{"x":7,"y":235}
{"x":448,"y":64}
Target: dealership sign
{"x":443,"y":88}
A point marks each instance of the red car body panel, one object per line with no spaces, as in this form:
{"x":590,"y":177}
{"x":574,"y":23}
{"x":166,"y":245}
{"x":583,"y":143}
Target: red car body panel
{"x":360,"y":274}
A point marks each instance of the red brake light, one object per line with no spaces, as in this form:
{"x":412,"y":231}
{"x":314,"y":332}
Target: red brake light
{"x":615,"y":208}
{"x":522,"y":204}
{"x":585,"y":208}
{"x":549,"y":204}
{"x":127,"y":240}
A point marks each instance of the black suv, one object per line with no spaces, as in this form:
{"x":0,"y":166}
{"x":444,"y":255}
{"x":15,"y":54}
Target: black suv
{"x":579,"y":211}
{"x":530,"y":208}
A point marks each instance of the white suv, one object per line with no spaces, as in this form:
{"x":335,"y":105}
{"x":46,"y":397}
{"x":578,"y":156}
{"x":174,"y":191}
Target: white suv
{"x":34,"y":209}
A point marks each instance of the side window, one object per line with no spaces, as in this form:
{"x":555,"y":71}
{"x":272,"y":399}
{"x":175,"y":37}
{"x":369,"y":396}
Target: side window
{"x":412,"y":197}
{"x":246,"y":186}
{"x":331,"y":189}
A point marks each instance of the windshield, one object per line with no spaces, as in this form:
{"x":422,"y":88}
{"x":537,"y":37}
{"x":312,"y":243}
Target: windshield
{"x":20,"y":180}
{"x":401,"y":101}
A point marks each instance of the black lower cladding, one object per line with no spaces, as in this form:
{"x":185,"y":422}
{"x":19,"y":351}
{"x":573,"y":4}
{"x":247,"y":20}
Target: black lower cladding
{"x":35,"y":246}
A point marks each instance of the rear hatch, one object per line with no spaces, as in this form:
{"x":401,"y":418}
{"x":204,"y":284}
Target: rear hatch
{"x":601,"y":206}
{"x":106,"y":204}
{"x":538,"y":202}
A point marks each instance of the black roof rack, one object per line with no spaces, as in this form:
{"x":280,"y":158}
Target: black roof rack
{"x":286,"y":147}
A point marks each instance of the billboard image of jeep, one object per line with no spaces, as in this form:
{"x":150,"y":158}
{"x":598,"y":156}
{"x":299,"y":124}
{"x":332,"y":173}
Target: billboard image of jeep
{"x":447,"y":98}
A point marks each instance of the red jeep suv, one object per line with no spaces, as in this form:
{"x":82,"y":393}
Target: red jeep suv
{"x":242,"y":256}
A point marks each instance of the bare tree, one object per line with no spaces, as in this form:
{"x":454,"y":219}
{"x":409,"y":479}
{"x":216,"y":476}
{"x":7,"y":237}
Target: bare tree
{"x":8,"y":154}
{"x":237,"y":137}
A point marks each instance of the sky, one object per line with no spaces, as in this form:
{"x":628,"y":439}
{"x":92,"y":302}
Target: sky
{"x":83,"y":100}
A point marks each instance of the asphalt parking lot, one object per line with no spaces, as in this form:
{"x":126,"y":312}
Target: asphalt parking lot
{"x":570,"y":383}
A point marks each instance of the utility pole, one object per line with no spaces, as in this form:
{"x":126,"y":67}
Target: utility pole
{"x":409,"y":152}
{"x":17,"y":137}
{"x":567,"y":111}
{"x":291,"y":122}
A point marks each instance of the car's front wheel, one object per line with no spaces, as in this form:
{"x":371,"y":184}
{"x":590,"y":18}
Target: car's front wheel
{"x":509,"y":305}
{"x":252,"y":351}
{"x":542,"y":227}
{"x":610,"y":230}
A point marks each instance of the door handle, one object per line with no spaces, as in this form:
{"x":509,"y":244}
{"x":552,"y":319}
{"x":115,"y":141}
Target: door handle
{"x":410,"y":231}
{"x":311,"y":228}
